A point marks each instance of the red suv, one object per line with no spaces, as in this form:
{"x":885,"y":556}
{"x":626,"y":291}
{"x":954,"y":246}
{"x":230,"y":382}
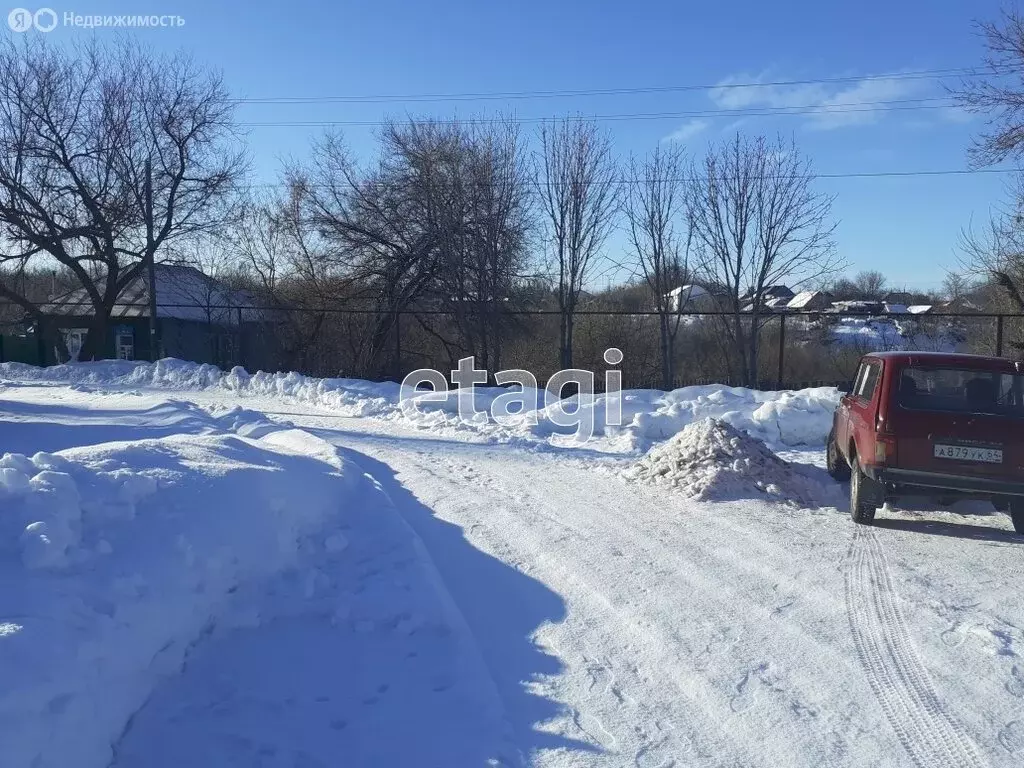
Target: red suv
{"x":932,"y":424}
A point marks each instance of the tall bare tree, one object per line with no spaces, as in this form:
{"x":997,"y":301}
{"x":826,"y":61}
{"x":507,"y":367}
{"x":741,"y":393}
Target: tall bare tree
{"x":998,"y":251}
{"x":486,"y":236}
{"x":870,"y":284}
{"x":757,"y":221}
{"x":1000,"y":95}
{"x":107,"y":156}
{"x":579,"y":196}
{"x":660,"y":236}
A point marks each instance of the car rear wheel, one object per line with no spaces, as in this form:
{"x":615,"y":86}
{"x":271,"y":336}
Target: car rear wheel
{"x":834,"y":461}
{"x":865,"y":495}
{"x":1017,"y":514}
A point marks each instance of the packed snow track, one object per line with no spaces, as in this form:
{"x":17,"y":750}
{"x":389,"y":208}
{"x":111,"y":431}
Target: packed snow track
{"x":480,"y":600}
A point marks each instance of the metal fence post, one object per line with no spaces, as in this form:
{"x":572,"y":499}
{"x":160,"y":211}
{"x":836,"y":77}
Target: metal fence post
{"x":239,"y":356}
{"x":398,"y":344}
{"x":782,"y":350}
{"x":999,"y":336}
{"x":40,"y":344}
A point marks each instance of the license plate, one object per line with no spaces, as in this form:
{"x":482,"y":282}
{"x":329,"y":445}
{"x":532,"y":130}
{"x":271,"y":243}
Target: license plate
{"x":969,"y":453}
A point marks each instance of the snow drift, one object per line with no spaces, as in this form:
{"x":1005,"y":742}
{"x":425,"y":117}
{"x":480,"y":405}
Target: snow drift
{"x":711,"y":460}
{"x":786,"y":418}
{"x":115,"y":558}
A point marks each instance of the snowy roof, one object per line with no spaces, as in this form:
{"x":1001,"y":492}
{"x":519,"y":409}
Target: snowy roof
{"x":804,"y":298}
{"x":691,"y":291}
{"x":182,"y":292}
{"x":896,"y":309}
{"x":768,"y":291}
{"x":858,"y":306}
{"x":919,"y":309}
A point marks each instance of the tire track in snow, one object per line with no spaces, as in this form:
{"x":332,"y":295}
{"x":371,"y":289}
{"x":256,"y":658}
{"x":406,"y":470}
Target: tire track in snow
{"x":932,"y":738}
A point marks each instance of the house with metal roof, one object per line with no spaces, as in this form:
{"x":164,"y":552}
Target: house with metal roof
{"x":198,"y":318}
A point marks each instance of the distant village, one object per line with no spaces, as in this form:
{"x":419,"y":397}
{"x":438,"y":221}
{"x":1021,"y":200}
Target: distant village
{"x":781,"y":298}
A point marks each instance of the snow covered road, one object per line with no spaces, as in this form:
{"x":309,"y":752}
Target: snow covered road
{"x":598,"y":622}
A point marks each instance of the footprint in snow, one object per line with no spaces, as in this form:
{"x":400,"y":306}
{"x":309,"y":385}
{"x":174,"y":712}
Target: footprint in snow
{"x":1015,"y":685}
{"x":954,"y":636}
{"x":747,"y":689}
{"x":595,"y":729}
{"x":1012,"y":737}
{"x":670,"y":747}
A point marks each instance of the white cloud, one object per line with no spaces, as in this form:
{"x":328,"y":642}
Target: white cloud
{"x":828,"y":105}
{"x":729,"y":95}
{"x":687,"y":130}
{"x":840,"y":110}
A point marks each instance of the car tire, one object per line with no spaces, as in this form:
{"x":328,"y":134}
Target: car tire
{"x":834,"y":461}
{"x":865,"y":495}
{"x":1017,"y":514}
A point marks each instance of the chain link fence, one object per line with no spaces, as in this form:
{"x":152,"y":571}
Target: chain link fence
{"x":795,"y":349}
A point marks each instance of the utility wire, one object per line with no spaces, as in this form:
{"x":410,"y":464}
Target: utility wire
{"x":821,"y":110}
{"x":684,"y":179}
{"x":923,"y":74}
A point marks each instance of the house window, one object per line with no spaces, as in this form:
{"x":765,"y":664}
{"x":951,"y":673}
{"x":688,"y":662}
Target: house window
{"x":124,"y":343}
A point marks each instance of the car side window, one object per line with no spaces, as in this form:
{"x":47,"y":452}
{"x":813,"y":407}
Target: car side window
{"x":868,"y":381}
{"x":860,"y":377}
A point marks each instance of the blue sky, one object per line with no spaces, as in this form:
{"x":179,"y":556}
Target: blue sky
{"x":906,"y":227}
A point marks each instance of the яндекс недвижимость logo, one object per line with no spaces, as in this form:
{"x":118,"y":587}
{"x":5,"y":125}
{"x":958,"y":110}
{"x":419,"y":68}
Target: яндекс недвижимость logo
{"x":22,"y":19}
{"x":47,"y":20}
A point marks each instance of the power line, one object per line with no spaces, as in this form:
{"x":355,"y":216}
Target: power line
{"x":685,"y":179}
{"x":923,"y":74}
{"x":821,"y":110}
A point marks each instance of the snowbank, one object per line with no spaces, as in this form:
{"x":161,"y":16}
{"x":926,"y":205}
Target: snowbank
{"x":787,"y":418}
{"x":115,"y":558}
{"x":713,"y":461}
{"x":791,"y":418}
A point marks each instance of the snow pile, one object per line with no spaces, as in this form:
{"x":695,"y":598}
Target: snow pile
{"x":115,"y":558}
{"x":787,"y":418}
{"x":713,"y":461}
{"x":791,"y":418}
{"x":896,"y":332}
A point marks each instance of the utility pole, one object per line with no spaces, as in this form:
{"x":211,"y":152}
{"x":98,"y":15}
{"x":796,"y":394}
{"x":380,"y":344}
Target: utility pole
{"x":154,"y":352}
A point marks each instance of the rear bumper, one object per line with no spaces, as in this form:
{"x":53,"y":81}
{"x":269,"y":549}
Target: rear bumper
{"x":909,"y":480}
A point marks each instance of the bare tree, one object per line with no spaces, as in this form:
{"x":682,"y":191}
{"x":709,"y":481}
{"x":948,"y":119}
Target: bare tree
{"x":298,"y":277}
{"x":1001,"y":94}
{"x":579,"y":194}
{"x":486,"y":234}
{"x":870,"y":284}
{"x":998,"y":252}
{"x":501,"y":223}
{"x":956,"y":287}
{"x":382,"y":225}
{"x":655,"y":210}
{"x":757,"y":221}
{"x":107,"y":156}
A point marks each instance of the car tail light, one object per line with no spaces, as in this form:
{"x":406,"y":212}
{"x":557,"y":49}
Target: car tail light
{"x":885,"y":442}
{"x":885,"y":449}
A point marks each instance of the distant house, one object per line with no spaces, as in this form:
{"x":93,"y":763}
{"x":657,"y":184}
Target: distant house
{"x":811,"y":301}
{"x":692,"y":298}
{"x":769,"y":292}
{"x":898,"y":297}
{"x":198,"y":318}
{"x":859,"y":307}
{"x":958,"y":305}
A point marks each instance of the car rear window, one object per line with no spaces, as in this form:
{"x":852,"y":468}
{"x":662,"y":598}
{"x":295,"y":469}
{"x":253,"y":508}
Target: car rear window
{"x":961,"y":390}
